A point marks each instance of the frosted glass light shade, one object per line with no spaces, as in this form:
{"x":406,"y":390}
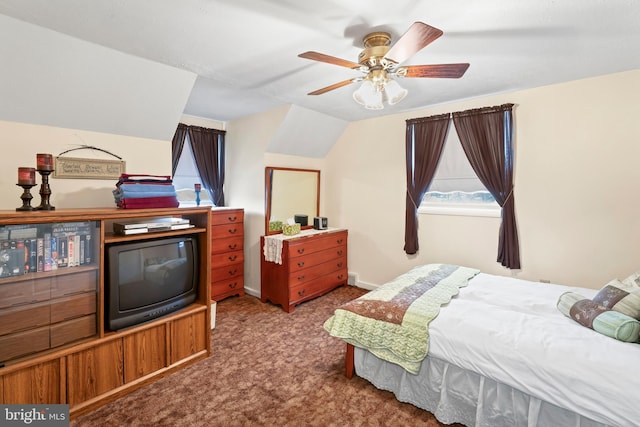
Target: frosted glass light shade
{"x":368,"y":96}
{"x":395,"y":92}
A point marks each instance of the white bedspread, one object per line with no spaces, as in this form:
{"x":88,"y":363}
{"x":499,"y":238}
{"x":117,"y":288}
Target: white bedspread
{"x":510,"y":330}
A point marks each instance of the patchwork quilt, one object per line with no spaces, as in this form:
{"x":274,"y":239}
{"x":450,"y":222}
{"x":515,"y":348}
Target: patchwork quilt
{"x":392,"y":321}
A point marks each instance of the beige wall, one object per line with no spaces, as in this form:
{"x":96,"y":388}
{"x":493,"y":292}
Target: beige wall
{"x":246,"y":144}
{"x":576,"y":184}
{"x":21,"y":142}
{"x":576,"y":188}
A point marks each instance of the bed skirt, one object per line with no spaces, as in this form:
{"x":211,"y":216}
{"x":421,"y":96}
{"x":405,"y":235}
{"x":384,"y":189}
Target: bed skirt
{"x":456,"y":395}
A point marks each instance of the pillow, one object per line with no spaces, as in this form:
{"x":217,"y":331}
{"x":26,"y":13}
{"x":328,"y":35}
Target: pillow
{"x":620,"y":297}
{"x":617,"y":325}
{"x":632,"y":281}
{"x":598,"y":317}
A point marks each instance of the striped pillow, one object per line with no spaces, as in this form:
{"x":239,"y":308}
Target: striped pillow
{"x":598,"y":317}
{"x":620,"y":297}
{"x":632,"y":281}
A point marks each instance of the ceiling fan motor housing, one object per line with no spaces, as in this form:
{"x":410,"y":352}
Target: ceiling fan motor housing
{"x":376,"y":47}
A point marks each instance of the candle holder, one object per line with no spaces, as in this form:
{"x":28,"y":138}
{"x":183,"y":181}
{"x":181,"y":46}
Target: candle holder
{"x":197,"y":188}
{"x":45,"y":190}
{"x":26,"y":198}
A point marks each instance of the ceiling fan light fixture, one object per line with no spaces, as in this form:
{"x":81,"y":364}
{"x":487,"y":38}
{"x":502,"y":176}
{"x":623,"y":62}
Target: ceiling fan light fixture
{"x":395,"y":93}
{"x":369,"y":96}
{"x":381,"y":63}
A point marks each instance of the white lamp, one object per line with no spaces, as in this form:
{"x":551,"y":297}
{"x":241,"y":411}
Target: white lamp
{"x":395,"y":93}
{"x":369,"y":96}
{"x":370,"y":93}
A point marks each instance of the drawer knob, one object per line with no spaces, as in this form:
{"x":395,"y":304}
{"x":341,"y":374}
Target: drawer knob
{"x":339,"y":265}
{"x":339,"y":252}
{"x":232,"y":246}
{"x":232,"y":272}
{"x":340,"y":241}
{"x":232,"y":218}
{"x":340,"y":276}
{"x":301,"y":251}
{"x":233,"y":230}
{"x":300,"y":263}
{"x":233,"y":285}
{"x":301,"y":277}
{"x":301,"y":292}
{"x":233,"y":257}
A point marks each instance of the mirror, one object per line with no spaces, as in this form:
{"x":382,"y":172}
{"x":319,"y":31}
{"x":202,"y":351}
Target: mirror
{"x":290,"y":192}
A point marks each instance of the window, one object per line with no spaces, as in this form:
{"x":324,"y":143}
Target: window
{"x":185,"y":178}
{"x":456,"y":189}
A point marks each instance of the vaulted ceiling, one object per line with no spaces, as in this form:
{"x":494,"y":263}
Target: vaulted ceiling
{"x":240,"y":57}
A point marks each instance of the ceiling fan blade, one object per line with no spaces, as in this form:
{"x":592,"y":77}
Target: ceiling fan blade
{"x":332,"y":87}
{"x":316,"y":56}
{"x":451,"y":71}
{"x":417,"y":37}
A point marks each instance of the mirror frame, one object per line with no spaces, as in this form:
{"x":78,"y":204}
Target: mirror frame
{"x":268,"y":173}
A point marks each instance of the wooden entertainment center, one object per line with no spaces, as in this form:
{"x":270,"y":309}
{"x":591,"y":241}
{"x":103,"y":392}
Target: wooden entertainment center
{"x":54,"y":346}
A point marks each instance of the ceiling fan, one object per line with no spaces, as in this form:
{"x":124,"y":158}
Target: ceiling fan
{"x":380,"y":63}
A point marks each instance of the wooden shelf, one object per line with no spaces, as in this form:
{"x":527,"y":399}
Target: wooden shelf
{"x":110,"y":237}
{"x":92,"y":371}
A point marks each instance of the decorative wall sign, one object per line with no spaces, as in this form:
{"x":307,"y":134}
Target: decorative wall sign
{"x":73,"y":167}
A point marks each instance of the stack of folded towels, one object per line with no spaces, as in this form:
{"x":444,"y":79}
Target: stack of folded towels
{"x":145,"y":191}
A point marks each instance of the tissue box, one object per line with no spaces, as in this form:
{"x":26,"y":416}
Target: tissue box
{"x":290,"y":229}
{"x":275,"y":225}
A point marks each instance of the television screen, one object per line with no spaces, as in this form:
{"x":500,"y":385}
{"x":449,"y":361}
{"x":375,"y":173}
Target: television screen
{"x":148,"y":279}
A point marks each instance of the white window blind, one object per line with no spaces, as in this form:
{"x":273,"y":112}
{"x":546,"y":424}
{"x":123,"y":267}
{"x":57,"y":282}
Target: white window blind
{"x":455,"y":185}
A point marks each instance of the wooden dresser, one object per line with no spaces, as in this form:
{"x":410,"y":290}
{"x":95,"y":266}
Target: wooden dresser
{"x":227,"y":253}
{"x":313,"y":263}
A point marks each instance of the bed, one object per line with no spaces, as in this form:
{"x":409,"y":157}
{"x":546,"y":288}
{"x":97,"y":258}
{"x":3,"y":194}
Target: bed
{"x":498,"y":351}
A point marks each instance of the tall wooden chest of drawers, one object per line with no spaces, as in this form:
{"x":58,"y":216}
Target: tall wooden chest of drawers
{"x":227,"y":253}
{"x":313,"y":263}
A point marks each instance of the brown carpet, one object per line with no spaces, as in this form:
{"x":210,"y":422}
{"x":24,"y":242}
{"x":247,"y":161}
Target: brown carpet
{"x":267,"y":368}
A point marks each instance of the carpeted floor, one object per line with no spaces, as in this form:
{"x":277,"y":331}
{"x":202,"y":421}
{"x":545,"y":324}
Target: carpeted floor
{"x":267,"y":368}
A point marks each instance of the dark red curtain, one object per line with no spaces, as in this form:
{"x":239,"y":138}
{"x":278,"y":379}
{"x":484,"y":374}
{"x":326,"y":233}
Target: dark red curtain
{"x":486,"y":135}
{"x":424,"y":143}
{"x":177,"y":144}
{"x":208,"y":152}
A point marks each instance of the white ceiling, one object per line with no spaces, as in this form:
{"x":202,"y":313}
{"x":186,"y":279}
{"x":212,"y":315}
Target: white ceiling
{"x":244,"y":52}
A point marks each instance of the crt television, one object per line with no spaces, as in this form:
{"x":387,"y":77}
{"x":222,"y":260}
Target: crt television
{"x":147,"y":279}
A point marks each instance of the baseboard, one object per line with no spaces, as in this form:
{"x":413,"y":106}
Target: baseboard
{"x":365,"y":285}
{"x":213,"y":314}
{"x":252,"y":292}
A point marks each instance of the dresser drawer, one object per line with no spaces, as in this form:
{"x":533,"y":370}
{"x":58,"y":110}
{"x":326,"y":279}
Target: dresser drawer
{"x":306,"y":246}
{"x":316,"y":271}
{"x":316,"y":258}
{"x":312,"y":264}
{"x":21,"y":343}
{"x":317,"y":286}
{"x":24,"y":291}
{"x":228,"y":244}
{"x":227,"y":216}
{"x":70,"y":284}
{"x":227,"y":253}
{"x":227,"y":230}
{"x":221,"y":287}
{"x":73,"y":306}
{"x":23,"y":317}
{"x":227,"y":272}
{"x":72,"y":330}
{"x":218,"y":260}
